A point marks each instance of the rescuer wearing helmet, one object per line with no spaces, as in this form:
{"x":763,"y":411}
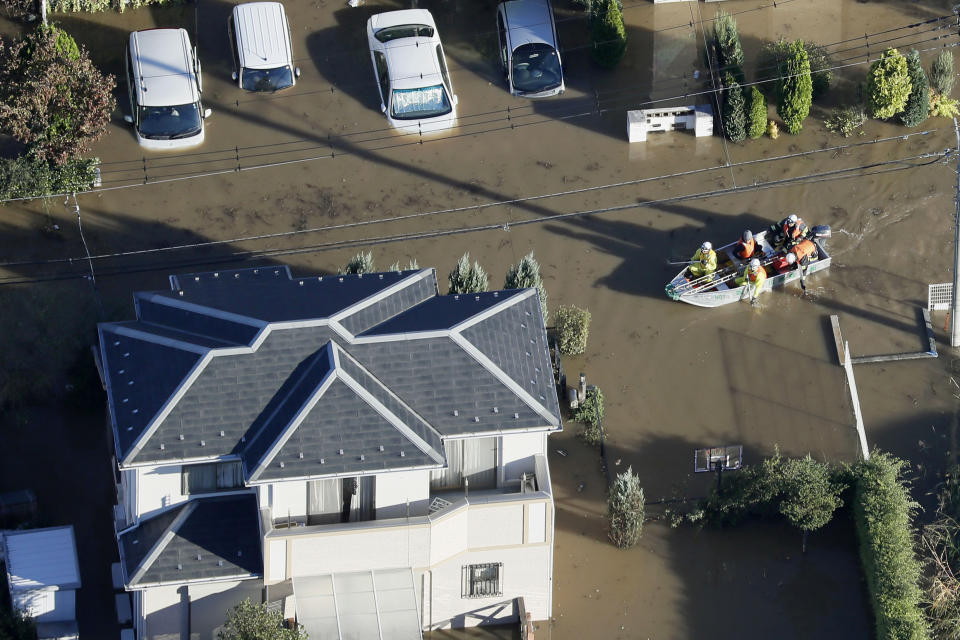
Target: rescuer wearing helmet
{"x":745,"y":246}
{"x":754,"y":277}
{"x":704,"y":261}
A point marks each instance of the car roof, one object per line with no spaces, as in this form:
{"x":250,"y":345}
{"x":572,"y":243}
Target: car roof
{"x":412,"y":63}
{"x":165,"y":74}
{"x":529,"y":21}
{"x":405,"y":16}
{"x":263,"y":40}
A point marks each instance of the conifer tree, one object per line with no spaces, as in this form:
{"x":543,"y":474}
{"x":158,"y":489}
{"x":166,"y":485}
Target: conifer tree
{"x":796,"y":89}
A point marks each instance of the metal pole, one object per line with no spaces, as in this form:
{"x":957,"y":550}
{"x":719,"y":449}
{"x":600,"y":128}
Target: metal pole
{"x":955,"y":299}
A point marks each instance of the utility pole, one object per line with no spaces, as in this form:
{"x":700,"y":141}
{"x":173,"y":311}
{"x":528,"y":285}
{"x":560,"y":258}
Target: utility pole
{"x":954,"y":298}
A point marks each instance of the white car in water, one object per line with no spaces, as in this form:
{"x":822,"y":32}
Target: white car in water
{"x":411,"y":72}
{"x":529,"y":53}
{"x":260,"y":42}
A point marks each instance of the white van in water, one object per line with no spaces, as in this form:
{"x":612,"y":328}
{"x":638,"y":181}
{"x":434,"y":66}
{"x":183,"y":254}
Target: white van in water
{"x":260,"y":41}
{"x":163,"y":82}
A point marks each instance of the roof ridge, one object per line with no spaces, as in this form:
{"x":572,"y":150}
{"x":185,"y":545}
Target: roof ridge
{"x":372,"y":299}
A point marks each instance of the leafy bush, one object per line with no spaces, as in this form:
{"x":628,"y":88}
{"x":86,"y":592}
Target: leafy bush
{"x":888,"y":85}
{"x":918,"y":104}
{"x":359,"y":264}
{"x":589,"y":413}
{"x":608,"y":35}
{"x":625,"y":508}
{"x":93,"y":6}
{"x":52,"y":98}
{"x":883,"y":513}
{"x":757,"y":118}
{"x":21,"y":9}
{"x":809,"y":493}
{"x":248,"y":621}
{"x":573,"y":328}
{"x":773,"y":130}
{"x":795,"y":92}
{"x":727,"y":41}
{"x":941,"y":73}
{"x":773,"y":59}
{"x":467,"y":278}
{"x":526,"y":274}
{"x":411,"y":265}
{"x":846,"y":120}
{"x":941,"y":541}
{"x":31,"y":177}
{"x":734,"y":110}
{"x":942,"y":106}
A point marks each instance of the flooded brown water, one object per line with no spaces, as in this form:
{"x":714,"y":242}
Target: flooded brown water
{"x":675,"y":377}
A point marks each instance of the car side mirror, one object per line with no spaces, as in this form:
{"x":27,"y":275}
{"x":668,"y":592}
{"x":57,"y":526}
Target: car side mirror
{"x":235,"y":76}
{"x":128,"y":119}
{"x":455,"y":100}
{"x":296,"y":72}
{"x":383,"y":108}
{"x":207,"y":113}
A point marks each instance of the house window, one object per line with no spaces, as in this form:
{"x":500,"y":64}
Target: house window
{"x":204,"y":478}
{"x":482,"y":580}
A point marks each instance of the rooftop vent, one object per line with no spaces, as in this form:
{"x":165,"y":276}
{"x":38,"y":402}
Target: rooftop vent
{"x":136,"y":411}
{"x":455,"y":411}
{"x":341,"y":451}
{"x":516,"y":416}
{"x":216,"y":274}
{"x":496,"y":409}
{"x":321,"y":461}
{"x":179,"y":567}
{"x":281,"y":464}
{"x":181,"y":436}
{"x":203,"y":443}
{"x":162,"y":447}
{"x":219,"y":563}
{"x":126,"y":400}
{"x":236,"y":275}
{"x":476,"y":418}
{"x":239,"y":553}
{"x":198,"y":557}
{"x":221,"y":434}
{"x":381,"y":447}
{"x":362,"y":457}
{"x":301,"y":455}
{"x":121,"y":372}
{"x":402,"y":454}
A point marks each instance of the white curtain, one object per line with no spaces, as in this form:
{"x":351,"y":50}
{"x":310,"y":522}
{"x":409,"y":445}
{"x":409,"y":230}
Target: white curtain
{"x":449,"y":477}
{"x":228,"y":475}
{"x":324,"y":501}
{"x":480,"y":462}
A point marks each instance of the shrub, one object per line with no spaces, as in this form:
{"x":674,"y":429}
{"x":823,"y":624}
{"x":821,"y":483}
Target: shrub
{"x":589,"y":413}
{"x":359,"y":264}
{"x":608,"y":35}
{"x":19,"y":9}
{"x":846,"y":120}
{"x":248,"y":621}
{"x":942,"y":106}
{"x":573,"y":328}
{"x":30,"y":177}
{"x":774,"y":55}
{"x":93,"y":6}
{"x":883,"y":511}
{"x":941,"y":539}
{"x":411,"y":265}
{"x":52,"y":98}
{"x":757,"y":120}
{"x":527,"y":275}
{"x":773,"y":130}
{"x":795,"y":93}
{"x":941,"y":73}
{"x":918,"y":104}
{"x":809,"y":493}
{"x":727,"y":40}
{"x":16,"y":625}
{"x":467,"y":278}
{"x":888,"y":85}
{"x":625,"y":508}
{"x":734,"y":111}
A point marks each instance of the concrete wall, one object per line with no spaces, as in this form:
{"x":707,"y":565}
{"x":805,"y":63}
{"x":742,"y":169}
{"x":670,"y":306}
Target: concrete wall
{"x":47,"y":605}
{"x":395,"y":490}
{"x":517,"y":452}
{"x":164,"y":608}
{"x":158,"y":488}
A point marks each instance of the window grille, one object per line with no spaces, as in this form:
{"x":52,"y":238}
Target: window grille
{"x":482,"y":580}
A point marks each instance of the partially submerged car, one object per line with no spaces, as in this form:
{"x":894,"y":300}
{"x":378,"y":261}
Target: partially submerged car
{"x":260,"y":42}
{"x":529,"y":52}
{"x":164,"y":85}
{"x":411,"y":71}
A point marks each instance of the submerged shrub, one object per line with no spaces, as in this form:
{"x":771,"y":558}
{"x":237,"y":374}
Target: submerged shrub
{"x":942,"y":106}
{"x":757,"y":114}
{"x":359,"y":264}
{"x":918,"y":104}
{"x":30,"y":177}
{"x":573,"y":328}
{"x":734,"y":111}
{"x":625,"y":509}
{"x":846,"y":120}
{"x":888,"y":85}
{"x":941,"y":73}
{"x":526,"y":274}
{"x":467,"y":278}
{"x":608,"y":35}
{"x":589,"y":413}
{"x":795,"y":94}
{"x":726,"y":37}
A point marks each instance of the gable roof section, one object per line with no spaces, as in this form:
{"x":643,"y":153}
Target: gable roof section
{"x":440,"y":313}
{"x":205,"y":538}
{"x":389,"y":303}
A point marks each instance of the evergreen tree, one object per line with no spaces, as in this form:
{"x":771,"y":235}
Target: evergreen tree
{"x":918,"y":104}
{"x":467,"y":278}
{"x":796,"y":89}
{"x":757,"y":120}
{"x":526,"y":274}
{"x":609,"y":36}
{"x":625,"y":509}
{"x":727,"y":40}
{"x":888,"y":85}
{"x":734,"y":111}
{"x":359,"y":264}
{"x":941,"y":73}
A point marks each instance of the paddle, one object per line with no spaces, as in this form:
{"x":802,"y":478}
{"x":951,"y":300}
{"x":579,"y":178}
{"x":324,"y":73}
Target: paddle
{"x":684,"y":262}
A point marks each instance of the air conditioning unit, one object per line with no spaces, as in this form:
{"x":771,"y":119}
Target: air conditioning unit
{"x":528,"y":483}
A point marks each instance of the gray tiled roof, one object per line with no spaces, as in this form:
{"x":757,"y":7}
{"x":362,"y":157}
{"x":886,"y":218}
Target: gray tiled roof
{"x":216,"y":537}
{"x":483,"y":368}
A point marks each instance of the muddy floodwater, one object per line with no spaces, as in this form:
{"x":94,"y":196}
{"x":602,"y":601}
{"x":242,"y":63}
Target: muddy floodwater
{"x":321,"y":177}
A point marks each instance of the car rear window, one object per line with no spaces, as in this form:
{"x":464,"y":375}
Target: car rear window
{"x":404,"y":31}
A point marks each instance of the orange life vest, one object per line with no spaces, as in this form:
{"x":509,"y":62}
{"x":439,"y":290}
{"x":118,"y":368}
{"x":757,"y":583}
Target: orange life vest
{"x":798,"y":230}
{"x":745,"y":249}
{"x":803,"y":249}
{"x":753,"y":276}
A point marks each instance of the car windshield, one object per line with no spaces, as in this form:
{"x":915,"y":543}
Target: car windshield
{"x":403,"y":31}
{"x":536,"y":67}
{"x":170,"y":123}
{"x":266,"y":79}
{"x":426,"y":102}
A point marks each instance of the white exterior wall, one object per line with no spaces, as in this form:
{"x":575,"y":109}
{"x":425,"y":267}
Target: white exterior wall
{"x":157,"y":488}
{"x":287,"y":499}
{"x":517,"y":452}
{"x":396,"y":490}
{"x":163,"y":611}
{"x":47,"y":605}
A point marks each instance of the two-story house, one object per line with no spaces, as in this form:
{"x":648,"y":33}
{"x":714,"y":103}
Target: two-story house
{"x":359,"y":451}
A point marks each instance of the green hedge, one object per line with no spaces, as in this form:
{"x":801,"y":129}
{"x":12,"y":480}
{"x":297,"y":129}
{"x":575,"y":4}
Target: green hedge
{"x":93,"y":6}
{"x":883,"y":512}
{"x":30,"y":177}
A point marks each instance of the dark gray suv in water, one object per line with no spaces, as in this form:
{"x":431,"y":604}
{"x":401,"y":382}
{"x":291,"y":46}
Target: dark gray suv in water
{"x":529,"y":51}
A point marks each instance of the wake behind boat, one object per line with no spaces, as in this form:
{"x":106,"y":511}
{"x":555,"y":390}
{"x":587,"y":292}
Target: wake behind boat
{"x":722,"y":287}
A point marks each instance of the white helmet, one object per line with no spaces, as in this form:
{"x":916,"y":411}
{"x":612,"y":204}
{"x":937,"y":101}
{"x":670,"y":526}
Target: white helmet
{"x":791,"y":258}
{"x":754,"y":264}
{"x":706,"y":246}
{"x":792,"y":218}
